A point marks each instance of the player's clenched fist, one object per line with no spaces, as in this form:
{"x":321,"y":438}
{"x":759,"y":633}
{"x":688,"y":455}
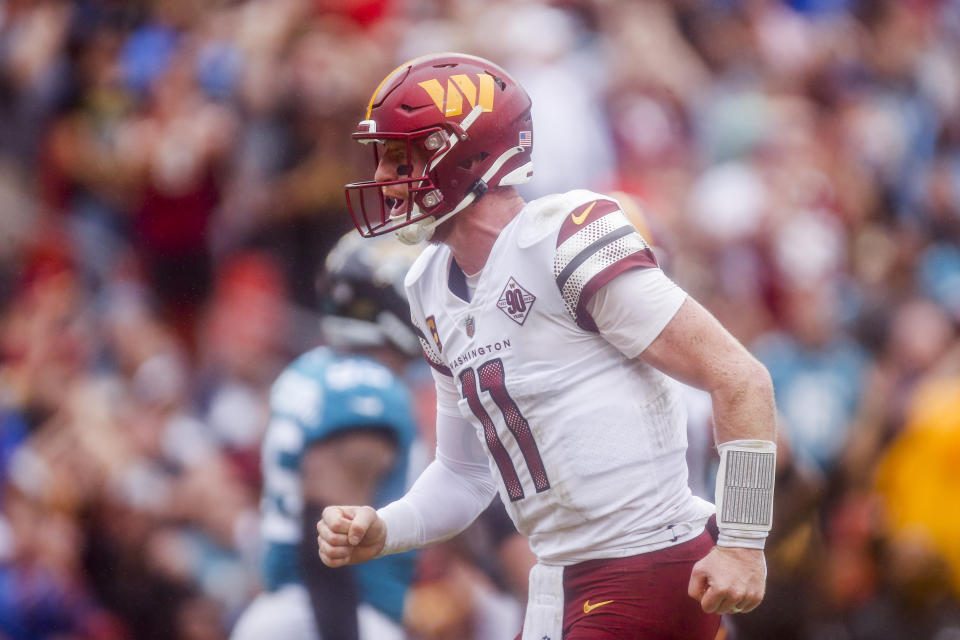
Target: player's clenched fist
{"x":729,"y":580}
{"x":350,"y":535}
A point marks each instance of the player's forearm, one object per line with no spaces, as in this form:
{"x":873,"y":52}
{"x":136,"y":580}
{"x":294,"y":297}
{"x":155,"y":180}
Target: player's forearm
{"x":442,"y":502}
{"x":745,"y":422}
{"x":743,"y":404}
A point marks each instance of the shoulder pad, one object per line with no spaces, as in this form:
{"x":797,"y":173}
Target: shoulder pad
{"x":544,"y":215}
{"x":595,"y":243}
{"x":419,"y":266}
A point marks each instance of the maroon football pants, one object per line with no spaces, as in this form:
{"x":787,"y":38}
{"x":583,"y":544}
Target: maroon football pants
{"x":642,"y":597}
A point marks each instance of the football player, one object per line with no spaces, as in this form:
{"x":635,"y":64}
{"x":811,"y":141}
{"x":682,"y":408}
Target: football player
{"x":341,"y":430}
{"x":555,"y":339}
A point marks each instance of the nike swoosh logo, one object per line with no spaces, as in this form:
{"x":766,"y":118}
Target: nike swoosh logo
{"x":583,"y":216}
{"x":587,"y":607}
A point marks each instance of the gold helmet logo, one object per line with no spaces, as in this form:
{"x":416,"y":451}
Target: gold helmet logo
{"x":450,"y":102}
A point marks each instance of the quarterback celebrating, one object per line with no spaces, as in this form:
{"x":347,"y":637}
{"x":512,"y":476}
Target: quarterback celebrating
{"x":554,"y":339}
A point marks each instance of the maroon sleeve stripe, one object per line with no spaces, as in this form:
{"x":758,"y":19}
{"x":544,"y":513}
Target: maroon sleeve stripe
{"x":420,"y":334}
{"x":640,"y":260}
{"x":428,"y":354}
{"x":439,"y":367}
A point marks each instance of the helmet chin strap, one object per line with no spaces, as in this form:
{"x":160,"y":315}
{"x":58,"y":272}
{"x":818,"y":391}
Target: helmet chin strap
{"x":417,"y":232}
{"x":423,"y":229}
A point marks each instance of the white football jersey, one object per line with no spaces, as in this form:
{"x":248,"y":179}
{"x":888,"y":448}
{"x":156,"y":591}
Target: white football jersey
{"x":587,"y":443}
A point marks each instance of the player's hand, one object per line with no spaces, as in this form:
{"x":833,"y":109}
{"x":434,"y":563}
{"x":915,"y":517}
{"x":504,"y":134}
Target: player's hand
{"x":729,"y":580}
{"x":350,"y":535}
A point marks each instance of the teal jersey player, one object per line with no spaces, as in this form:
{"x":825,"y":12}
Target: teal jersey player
{"x":341,"y":429}
{"x":318,"y":396}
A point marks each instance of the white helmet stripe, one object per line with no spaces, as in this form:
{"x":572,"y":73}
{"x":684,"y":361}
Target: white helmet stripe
{"x":469,"y":120}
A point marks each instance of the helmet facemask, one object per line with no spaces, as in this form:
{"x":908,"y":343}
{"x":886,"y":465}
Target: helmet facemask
{"x":375,"y":212}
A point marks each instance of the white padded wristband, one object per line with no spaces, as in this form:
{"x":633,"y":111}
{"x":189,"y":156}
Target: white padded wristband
{"x":744,"y":493}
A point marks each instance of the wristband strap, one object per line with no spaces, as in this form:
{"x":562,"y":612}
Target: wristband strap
{"x":742,"y":539}
{"x":744,"y":492}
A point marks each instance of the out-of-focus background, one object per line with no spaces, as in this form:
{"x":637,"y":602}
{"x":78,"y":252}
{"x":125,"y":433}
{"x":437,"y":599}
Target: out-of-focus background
{"x":171,"y":177}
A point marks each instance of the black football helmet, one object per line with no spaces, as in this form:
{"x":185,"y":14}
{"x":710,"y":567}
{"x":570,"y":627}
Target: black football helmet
{"x":362,"y":298}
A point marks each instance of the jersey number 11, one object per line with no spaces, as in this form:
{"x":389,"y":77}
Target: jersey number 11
{"x":490,"y":377}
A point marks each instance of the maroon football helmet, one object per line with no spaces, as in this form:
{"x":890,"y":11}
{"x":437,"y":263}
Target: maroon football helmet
{"x":470,"y":120}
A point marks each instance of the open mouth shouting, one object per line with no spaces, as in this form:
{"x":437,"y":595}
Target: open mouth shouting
{"x":397,"y":206}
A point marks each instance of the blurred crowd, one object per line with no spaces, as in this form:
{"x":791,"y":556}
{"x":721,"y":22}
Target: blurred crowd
{"x":171,"y":178}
